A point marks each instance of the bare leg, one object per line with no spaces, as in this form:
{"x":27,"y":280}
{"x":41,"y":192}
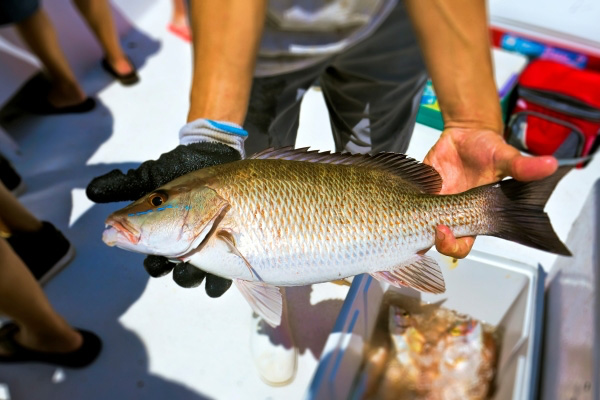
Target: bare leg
{"x":13,"y":216}
{"x":179,"y":16}
{"x":273,"y":350}
{"x":22,"y":299}
{"x":179,"y":20}
{"x":98,"y":15}
{"x":39,"y":34}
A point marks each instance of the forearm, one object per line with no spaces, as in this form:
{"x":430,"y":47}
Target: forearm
{"x":226,"y":36}
{"x":455,"y":42}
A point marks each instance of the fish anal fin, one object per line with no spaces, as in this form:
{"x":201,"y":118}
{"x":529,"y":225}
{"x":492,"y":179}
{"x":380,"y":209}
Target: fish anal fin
{"x":264,"y":299}
{"x":420,"y":272}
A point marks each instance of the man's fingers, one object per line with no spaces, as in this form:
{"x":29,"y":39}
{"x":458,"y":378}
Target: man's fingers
{"x":114,"y":186}
{"x":216,"y":286}
{"x":158,"y":266}
{"x":533,"y":168}
{"x":188,"y":276}
{"x":447,"y":244}
{"x":117,"y":186}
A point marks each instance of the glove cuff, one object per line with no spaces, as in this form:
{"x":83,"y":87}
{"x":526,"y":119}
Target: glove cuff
{"x":206,"y":130}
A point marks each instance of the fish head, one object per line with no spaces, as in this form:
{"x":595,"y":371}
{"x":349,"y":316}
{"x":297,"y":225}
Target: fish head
{"x":171,"y":221}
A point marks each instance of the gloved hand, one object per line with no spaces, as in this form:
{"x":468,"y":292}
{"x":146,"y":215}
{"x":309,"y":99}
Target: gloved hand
{"x":204,"y":143}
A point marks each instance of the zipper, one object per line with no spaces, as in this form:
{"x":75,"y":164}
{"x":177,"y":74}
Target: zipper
{"x":561,"y":103}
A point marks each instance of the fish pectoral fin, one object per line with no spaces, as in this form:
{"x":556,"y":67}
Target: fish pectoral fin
{"x":264,"y":299}
{"x":228,"y":238}
{"x":418,"y":272}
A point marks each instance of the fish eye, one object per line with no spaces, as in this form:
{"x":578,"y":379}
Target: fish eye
{"x":157,"y":199}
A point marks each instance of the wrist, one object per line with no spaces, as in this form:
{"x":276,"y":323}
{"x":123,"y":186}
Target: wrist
{"x":475,"y":125}
{"x":205,"y":130}
{"x":475,"y":110}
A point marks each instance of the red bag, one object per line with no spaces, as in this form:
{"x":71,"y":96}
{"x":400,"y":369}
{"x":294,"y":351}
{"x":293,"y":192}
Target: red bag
{"x":557,"y":112}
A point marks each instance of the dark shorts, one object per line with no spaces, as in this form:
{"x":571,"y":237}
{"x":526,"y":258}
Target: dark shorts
{"x":372,"y":91}
{"x":13,"y":11}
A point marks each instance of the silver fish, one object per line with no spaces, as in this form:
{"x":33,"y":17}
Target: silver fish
{"x":296,"y":217}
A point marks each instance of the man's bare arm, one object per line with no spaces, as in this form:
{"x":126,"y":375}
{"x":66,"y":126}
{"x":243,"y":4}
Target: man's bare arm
{"x":226,"y":36}
{"x":471,"y":150}
{"x":454,"y":39}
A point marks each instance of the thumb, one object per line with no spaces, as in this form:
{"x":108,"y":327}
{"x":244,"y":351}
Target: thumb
{"x":510,"y":162}
{"x":114,"y":186}
{"x":533,"y":168}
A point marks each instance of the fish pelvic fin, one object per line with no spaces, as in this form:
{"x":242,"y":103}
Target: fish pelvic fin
{"x":520,"y":213}
{"x":264,"y":299}
{"x":419,"y":272}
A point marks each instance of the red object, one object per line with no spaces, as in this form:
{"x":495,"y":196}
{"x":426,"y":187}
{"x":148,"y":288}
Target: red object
{"x":182,"y":32}
{"x":550,"y":92}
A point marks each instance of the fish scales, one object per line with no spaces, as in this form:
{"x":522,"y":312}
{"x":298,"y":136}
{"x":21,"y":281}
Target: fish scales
{"x":297,"y":215}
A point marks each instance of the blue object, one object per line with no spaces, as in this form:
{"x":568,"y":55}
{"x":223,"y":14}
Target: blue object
{"x":534,"y":49}
{"x":228,"y":128}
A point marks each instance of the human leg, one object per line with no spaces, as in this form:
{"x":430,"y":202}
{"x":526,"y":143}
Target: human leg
{"x":38,"y":33}
{"x":373,"y":89}
{"x":39,"y":244}
{"x":273,"y":350}
{"x":274,"y":108}
{"x":14,"y":217}
{"x":37,"y":333}
{"x":179,"y":20}
{"x":22,"y":299}
{"x":98,"y":16}
{"x":10,"y":177}
{"x":272,"y":121}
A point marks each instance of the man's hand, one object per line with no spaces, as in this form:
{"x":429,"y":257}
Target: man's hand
{"x":117,"y":186}
{"x":468,"y":157}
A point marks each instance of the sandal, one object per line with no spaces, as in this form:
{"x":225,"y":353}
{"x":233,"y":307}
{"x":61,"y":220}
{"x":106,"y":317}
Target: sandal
{"x":45,"y":108}
{"x":125,"y":79}
{"x":82,"y":357}
{"x":181,"y":32}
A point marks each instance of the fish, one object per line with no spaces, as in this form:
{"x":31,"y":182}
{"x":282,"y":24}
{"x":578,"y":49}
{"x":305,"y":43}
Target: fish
{"x":290,"y":217}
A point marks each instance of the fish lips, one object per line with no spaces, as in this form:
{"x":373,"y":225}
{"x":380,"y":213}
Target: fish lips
{"x":119,"y":233}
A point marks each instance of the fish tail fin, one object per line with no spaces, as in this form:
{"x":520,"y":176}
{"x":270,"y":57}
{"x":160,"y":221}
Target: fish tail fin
{"x":522,"y":217}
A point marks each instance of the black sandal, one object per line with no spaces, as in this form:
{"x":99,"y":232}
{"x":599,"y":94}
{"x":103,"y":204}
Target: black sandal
{"x":125,"y":79}
{"x":82,"y":357}
{"x":45,"y":108}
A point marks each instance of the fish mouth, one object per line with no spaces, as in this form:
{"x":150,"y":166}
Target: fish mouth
{"x":117,"y":230}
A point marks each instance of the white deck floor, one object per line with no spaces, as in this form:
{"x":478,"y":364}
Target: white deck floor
{"x":162,"y":341}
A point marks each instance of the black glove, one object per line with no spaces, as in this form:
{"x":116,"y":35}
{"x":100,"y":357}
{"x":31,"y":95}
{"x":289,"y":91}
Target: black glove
{"x":186,"y":275}
{"x":116,"y":186}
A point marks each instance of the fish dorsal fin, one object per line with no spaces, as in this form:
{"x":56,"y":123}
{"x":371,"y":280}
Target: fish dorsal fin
{"x":419,"y":272}
{"x":264,"y":299}
{"x":424,"y":177}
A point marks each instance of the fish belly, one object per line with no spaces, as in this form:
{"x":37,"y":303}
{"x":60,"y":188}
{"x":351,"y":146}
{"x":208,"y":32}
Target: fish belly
{"x":292,"y":261}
